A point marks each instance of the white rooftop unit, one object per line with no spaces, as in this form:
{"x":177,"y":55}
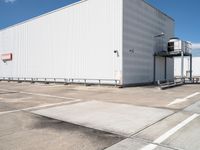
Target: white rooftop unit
{"x":177,"y":45}
{"x":93,"y":41}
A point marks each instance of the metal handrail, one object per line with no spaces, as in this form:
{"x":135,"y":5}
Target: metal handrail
{"x":61,"y":80}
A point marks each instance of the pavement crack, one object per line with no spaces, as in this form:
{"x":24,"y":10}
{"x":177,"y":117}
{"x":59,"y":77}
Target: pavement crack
{"x":134,"y":134}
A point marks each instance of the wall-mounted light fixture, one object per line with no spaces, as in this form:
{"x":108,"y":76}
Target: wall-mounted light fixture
{"x":159,"y":35}
{"x":116,"y":52}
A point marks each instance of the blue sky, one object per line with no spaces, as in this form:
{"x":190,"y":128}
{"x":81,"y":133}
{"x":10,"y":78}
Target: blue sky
{"x":15,"y":11}
{"x":185,"y":12}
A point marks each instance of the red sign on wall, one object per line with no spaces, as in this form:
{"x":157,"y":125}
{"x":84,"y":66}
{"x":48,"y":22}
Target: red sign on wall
{"x":6,"y":56}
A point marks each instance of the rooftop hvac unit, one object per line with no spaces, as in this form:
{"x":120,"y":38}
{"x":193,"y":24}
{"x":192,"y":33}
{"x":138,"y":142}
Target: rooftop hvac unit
{"x":177,"y":45}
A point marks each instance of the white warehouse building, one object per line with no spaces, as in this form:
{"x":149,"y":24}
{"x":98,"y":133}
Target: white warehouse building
{"x":97,"y":41}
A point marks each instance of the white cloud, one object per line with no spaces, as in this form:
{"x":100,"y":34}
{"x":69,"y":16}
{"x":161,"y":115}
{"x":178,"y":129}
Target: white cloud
{"x":9,"y":1}
{"x":195,"y":46}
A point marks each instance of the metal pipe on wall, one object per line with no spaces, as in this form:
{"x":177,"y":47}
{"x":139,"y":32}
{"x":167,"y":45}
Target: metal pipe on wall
{"x":182,"y":64}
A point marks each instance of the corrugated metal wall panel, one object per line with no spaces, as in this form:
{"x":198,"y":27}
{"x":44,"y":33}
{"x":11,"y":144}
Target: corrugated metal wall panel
{"x":195,"y":66}
{"x":74,"y":42}
{"x":141,"y":23}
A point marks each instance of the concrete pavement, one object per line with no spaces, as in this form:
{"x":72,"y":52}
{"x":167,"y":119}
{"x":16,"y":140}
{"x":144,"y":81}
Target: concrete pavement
{"x":121,"y":119}
{"x":162,"y":119}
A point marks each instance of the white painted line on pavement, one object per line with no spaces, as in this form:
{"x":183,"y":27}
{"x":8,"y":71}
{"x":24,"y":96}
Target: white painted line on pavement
{"x":55,"y":104}
{"x":150,"y":147}
{"x":39,"y":94}
{"x":170,"y":133}
{"x":7,"y":112}
{"x":192,"y":95}
{"x":41,"y":106}
{"x":180,"y":100}
{"x":23,"y":98}
{"x":47,"y":95}
{"x":15,"y":99}
{"x":49,"y":86}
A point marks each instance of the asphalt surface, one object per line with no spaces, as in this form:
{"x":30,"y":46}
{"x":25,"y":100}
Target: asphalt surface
{"x":96,"y":118}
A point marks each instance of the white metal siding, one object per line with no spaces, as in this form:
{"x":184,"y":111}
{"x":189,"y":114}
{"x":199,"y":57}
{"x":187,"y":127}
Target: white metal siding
{"x":141,"y":23}
{"x":195,"y":66}
{"x":75,"y":42}
{"x":78,"y":41}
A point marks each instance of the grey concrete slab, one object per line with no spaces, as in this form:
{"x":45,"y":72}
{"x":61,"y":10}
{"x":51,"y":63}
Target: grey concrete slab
{"x":133,"y":144}
{"x":194,"y":108}
{"x":163,"y":126}
{"x":25,"y":131}
{"x":116,"y":118}
{"x":188,"y":138}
